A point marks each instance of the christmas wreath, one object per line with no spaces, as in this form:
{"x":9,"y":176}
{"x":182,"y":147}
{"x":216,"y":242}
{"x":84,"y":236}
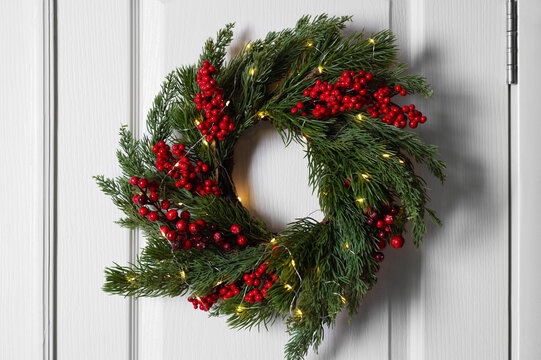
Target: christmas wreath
{"x":336,"y":94}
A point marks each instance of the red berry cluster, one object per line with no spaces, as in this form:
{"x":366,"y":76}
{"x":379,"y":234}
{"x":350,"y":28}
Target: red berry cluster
{"x":182,"y":231}
{"x":348,"y":93}
{"x":225,"y":242}
{"x":205,"y":303}
{"x":189,"y":176}
{"x":149,"y":198}
{"x":241,"y":239}
{"x":351,"y":92}
{"x":210,"y":100}
{"x":185,"y":233}
{"x":261,"y":280}
{"x":392,"y":113}
{"x":382,"y":222}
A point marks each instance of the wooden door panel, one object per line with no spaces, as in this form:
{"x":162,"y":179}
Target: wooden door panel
{"x":21,"y":215}
{"x":526,"y":189}
{"x":172,"y":34}
{"x":446,"y":301}
{"x":453,"y":304}
{"x":93,"y":102}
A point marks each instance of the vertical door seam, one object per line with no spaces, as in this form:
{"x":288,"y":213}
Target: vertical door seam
{"x":133,"y":351}
{"x":50,"y":121}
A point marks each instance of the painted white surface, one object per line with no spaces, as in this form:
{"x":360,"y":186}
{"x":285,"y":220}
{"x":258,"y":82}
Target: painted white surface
{"x":272,"y":180}
{"x":446,"y":301}
{"x":526,"y":187}
{"x":21,"y":102}
{"x":451,"y":303}
{"x":94,"y":100}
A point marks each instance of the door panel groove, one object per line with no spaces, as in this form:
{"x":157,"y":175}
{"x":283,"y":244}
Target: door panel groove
{"x":49,"y":178}
{"x":510,"y":226}
{"x":133,"y":351}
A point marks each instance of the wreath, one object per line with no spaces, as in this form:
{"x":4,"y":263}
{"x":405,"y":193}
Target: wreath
{"x":335,"y":94}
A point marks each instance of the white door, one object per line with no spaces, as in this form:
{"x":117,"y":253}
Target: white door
{"x":73,"y":72}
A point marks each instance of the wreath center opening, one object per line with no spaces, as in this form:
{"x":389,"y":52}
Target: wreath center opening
{"x":272,"y":179}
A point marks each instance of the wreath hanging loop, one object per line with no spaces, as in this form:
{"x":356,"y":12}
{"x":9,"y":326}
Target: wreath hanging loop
{"x":336,"y":94}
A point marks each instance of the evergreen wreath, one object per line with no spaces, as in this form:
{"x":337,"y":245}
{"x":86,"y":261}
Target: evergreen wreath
{"x":332,"y":92}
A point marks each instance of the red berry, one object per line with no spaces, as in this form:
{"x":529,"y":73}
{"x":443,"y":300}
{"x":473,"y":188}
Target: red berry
{"x":382,"y":244}
{"x":185,"y":215}
{"x":152,"y":216}
{"x":172,"y":215}
{"x":182,"y":225}
{"x":218,"y":237}
{"x":143,"y":211}
{"x":186,"y":245}
{"x":134,"y":180}
{"x":171,"y":235}
{"x":380,"y":224}
{"x":154,"y":196}
{"x":166,"y":204}
{"x":300,"y":105}
{"x":379,"y":256}
{"x":143,"y":199}
{"x":242,"y":240}
{"x":397,"y":88}
{"x":235,"y":229}
{"x":193,"y":228}
{"x":397,"y":241}
{"x":142,"y":183}
{"x":389,"y":219}
{"x":201,"y":223}
{"x":164,"y":229}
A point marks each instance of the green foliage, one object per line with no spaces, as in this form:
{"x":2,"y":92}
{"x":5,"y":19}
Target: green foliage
{"x":323,"y":267}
